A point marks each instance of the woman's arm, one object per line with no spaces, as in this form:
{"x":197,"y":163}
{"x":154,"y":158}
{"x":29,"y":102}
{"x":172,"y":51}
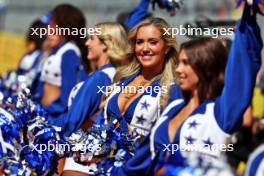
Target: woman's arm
{"x":243,"y":64}
{"x":138,"y":14}
{"x":85,"y":104}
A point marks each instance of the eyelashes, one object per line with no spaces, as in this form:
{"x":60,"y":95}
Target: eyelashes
{"x":151,"y":42}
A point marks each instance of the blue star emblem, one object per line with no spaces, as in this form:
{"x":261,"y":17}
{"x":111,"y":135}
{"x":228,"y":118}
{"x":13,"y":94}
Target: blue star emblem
{"x":190,"y":140}
{"x":208,"y":143}
{"x":193,"y":124}
{"x":145,"y":105}
{"x":141,"y":120}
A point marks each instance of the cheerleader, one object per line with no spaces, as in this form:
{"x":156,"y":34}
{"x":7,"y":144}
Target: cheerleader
{"x":62,"y":69}
{"x":144,"y":84}
{"x":207,"y":115}
{"x":107,"y":50}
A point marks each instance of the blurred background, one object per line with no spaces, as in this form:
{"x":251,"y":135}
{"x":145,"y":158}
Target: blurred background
{"x":16,"y":16}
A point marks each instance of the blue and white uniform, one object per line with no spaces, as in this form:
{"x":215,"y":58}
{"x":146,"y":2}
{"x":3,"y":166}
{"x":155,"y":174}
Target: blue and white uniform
{"x":29,"y":67}
{"x":214,"y":120}
{"x":29,"y":61}
{"x":255,"y":164}
{"x":142,"y":113}
{"x":139,"y":13}
{"x":63,"y":69}
{"x":83,"y":103}
{"x":85,"y":100}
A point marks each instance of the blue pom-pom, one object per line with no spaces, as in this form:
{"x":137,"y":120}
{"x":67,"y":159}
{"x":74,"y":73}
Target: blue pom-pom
{"x":23,"y":133}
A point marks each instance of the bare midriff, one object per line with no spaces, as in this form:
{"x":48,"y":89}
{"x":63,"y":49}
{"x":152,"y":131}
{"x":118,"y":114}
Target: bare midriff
{"x":50,"y":93}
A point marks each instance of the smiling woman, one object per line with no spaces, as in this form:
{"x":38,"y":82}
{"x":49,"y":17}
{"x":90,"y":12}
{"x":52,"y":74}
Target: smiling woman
{"x":187,"y":79}
{"x":153,"y":57}
{"x":200,"y":75}
{"x":201,"y":67}
{"x":107,"y":50}
{"x":150,"y":49}
{"x":210,"y":110}
{"x":152,"y":61}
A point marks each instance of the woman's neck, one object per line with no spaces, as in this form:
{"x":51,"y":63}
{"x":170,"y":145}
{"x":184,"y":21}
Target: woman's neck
{"x":149,"y":74}
{"x":194,"y":99}
{"x":103,"y":60}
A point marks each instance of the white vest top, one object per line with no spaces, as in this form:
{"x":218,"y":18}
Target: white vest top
{"x":51,"y":72}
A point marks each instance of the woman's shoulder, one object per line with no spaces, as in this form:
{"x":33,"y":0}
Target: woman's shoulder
{"x":106,"y":72}
{"x":175,"y":92}
{"x":171,"y":107}
{"x":69,"y":47}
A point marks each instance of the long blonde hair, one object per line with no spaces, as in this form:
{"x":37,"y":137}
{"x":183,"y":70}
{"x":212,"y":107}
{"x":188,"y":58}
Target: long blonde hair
{"x":114,"y":36}
{"x":167,"y":77}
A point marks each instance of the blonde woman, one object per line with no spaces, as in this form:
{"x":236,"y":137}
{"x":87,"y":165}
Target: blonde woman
{"x":144,"y":84}
{"x":107,"y":49}
{"x":212,"y":107}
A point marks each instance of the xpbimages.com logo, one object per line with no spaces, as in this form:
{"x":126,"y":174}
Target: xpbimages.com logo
{"x":61,"y":148}
{"x":107,"y":90}
{"x":82,"y":32}
{"x":174,"y":148}
{"x":198,"y":31}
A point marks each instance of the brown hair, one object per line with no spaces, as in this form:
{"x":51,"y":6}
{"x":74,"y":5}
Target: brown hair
{"x":207,"y":56}
{"x":69,"y":16}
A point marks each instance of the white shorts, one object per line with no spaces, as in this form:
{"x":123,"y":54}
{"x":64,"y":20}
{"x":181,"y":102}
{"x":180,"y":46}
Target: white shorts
{"x":71,"y":165}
